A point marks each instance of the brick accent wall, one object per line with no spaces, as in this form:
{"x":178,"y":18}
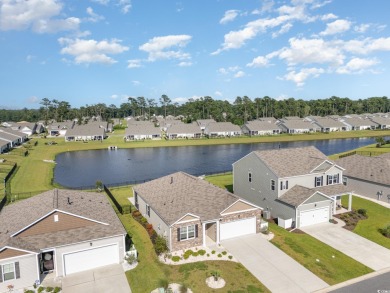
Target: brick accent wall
{"x":244,"y":215}
{"x":185,"y":244}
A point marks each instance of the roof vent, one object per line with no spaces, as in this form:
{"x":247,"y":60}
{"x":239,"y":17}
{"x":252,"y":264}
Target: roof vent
{"x":171,"y":179}
{"x":69,"y":202}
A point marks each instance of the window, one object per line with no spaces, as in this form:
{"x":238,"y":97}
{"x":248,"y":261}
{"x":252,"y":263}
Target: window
{"x":8,"y":272}
{"x":281,"y":185}
{"x":333,"y":179}
{"x":286,"y":186}
{"x":272,"y":184}
{"x":148,"y":210}
{"x":188,"y":232}
{"x":345,"y":180}
{"x":250,"y":176}
{"x":318,"y":181}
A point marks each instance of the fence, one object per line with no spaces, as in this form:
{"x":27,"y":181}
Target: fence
{"x":126,"y":209}
{"x":363,"y":153}
{"x":22,"y":195}
{"x":3,"y":202}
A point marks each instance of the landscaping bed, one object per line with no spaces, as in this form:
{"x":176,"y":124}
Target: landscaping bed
{"x":352,"y":218}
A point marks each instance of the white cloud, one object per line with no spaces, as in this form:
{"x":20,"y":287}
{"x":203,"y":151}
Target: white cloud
{"x":328,"y":16}
{"x":336,"y":27}
{"x":91,"y":51}
{"x":266,"y":7}
{"x":135,"y":82}
{"x":103,"y":2}
{"x":218,"y":93}
{"x":239,"y":74}
{"x":319,"y":4}
{"x":362,"y":28}
{"x":229,"y":16}
{"x":159,"y":47}
{"x":134,"y":63}
{"x":228,"y":70}
{"x":93,"y":17}
{"x":114,"y":97}
{"x":300,"y":77}
{"x":357,"y":65}
{"x":259,"y":61}
{"x":39,"y":15}
{"x":33,"y":100}
{"x":366,"y":46}
{"x":125,"y":5}
{"x":185,"y":64}
{"x":284,"y":29}
{"x":30,"y":58}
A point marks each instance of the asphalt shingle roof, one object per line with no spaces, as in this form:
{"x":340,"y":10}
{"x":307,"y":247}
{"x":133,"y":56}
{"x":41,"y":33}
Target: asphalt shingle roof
{"x":222,"y":127}
{"x":257,"y":125}
{"x":85,"y":130}
{"x":139,"y":129}
{"x":184,"y":128}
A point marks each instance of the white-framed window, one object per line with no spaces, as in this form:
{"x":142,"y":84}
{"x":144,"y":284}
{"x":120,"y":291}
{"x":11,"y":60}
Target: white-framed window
{"x":333,"y":179}
{"x":283,"y":185}
{"x":318,"y":181}
{"x":345,"y":180}
{"x":8,"y":272}
{"x":272,"y":184}
{"x":187,"y":232}
{"x":250,"y":176}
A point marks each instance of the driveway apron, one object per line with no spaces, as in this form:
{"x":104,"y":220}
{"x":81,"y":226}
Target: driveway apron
{"x":275,"y":269}
{"x":359,"y":248}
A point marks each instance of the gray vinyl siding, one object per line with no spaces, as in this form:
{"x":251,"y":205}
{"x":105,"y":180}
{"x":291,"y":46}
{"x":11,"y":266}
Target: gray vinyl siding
{"x":28,"y":265}
{"x":312,"y":206}
{"x":368,"y":189}
{"x":315,"y":199}
{"x":60,"y":251}
{"x":155,"y":220}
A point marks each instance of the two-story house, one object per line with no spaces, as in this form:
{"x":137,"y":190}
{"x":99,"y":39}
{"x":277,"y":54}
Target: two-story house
{"x":299,"y":186}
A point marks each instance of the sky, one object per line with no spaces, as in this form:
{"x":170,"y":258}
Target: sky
{"x":104,"y":51}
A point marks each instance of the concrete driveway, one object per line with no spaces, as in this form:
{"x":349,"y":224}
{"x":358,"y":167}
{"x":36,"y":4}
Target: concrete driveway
{"x":361,"y":249}
{"x":108,"y":279}
{"x":275,"y":269}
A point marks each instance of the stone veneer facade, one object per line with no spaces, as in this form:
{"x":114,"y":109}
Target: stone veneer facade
{"x":185,"y":244}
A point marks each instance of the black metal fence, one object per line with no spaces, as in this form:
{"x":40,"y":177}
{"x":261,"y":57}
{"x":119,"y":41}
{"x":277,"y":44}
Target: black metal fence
{"x":363,"y":153}
{"x":3,"y":202}
{"x":125,"y":209}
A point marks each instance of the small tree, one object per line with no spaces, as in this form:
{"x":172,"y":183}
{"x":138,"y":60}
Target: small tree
{"x":99,"y":185}
{"x":216,"y":275}
{"x":380,"y":141}
{"x":160,"y":245}
{"x":163,"y":283}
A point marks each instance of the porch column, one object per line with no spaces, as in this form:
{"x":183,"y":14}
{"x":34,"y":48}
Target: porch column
{"x":334,"y":205}
{"x":218,"y":232}
{"x":204,"y":234}
{"x":350,"y":201}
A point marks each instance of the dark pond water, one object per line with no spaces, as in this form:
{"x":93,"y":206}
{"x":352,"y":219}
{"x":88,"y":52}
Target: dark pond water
{"x":82,"y":169}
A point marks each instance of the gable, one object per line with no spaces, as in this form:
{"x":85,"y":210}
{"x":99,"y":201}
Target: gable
{"x":316,"y":197}
{"x":9,"y":252}
{"x":334,"y":169}
{"x":238,"y":206}
{"x":187,"y":218}
{"x":49,"y":225}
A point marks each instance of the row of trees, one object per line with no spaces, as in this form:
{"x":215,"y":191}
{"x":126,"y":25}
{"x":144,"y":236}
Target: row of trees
{"x":241,"y":110}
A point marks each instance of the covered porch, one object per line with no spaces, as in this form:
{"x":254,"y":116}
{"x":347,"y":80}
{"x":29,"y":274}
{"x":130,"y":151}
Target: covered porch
{"x":335,"y":192}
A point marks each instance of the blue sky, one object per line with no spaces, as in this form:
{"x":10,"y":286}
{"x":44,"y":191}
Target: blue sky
{"x":103,"y":51}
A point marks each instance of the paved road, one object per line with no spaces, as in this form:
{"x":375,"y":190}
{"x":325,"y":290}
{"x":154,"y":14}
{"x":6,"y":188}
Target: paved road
{"x":361,"y":249}
{"x":378,"y":284}
{"x":275,"y":269}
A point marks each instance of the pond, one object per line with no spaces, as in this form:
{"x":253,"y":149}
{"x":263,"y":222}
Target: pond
{"x":81,"y":169}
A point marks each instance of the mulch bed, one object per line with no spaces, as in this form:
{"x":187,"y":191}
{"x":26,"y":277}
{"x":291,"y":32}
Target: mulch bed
{"x":351,"y":219}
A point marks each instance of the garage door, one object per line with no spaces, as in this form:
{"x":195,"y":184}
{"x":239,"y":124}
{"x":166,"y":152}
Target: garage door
{"x":89,"y":259}
{"x":312,"y":217}
{"x":237,"y":228}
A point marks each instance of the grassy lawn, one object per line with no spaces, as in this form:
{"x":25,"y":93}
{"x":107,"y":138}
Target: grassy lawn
{"x":378,"y":217}
{"x":306,"y":250}
{"x":122,"y":194}
{"x":367,"y":149}
{"x":224,"y":181}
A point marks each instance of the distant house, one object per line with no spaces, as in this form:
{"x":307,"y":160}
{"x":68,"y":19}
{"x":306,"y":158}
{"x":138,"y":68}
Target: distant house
{"x":191,"y":212}
{"x":183,"y":131}
{"x":299,"y":186}
{"x":164,"y":124}
{"x":60,"y":232}
{"x":257,"y":127}
{"x":295,"y":126}
{"x":382,"y":122}
{"x":5,"y":146}
{"x":146,"y":131}
{"x":330,"y":125}
{"x":367,"y":175}
{"x":132,"y":122}
{"x":357,"y":123}
{"x":12,"y":136}
{"x":85,"y":132}
{"x":28,"y":128}
{"x":222,"y":129}
{"x":204,"y":122}
{"x":59,"y":129}
{"x":269,"y":119}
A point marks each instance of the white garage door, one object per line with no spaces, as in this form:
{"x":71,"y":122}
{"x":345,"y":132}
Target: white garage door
{"x":312,"y":217}
{"x":238,"y":228}
{"x":89,"y":259}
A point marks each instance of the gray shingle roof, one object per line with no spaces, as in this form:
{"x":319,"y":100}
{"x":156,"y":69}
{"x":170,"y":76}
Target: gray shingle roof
{"x":257,"y":125}
{"x":91,"y":205}
{"x":222,"y":127}
{"x":375,"y":169}
{"x":184,"y":129}
{"x":299,"y":124}
{"x":204,"y":122}
{"x":292,"y":161}
{"x":186,"y":194}
{"x":381,"y":120}
{"x":355,"y":121}
{"x":145,"y":129}
{"x":85,"y":130}
{"x":329,"y":122}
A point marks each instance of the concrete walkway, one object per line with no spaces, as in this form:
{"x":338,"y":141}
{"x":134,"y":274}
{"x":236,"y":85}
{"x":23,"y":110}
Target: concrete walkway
{"x":361,"y":249}
{"x":108,"y":279}
{"x":275,"y":269}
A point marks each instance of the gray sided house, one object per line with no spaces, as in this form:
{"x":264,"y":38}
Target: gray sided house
{"x":257,"y":127}
{"x":14,"y":137}
{"x":222,"y":129}
{"x":368,"y":176}
{"x":190,"y":212}
{"x":299,"y":186}
{"x":295,"y":126}
{"x":357,"y":123}
{"x":85,"y":132}
{"x":58,"y":231}
{"x":146,"y":131}
{"x":330,"y":125}
{"x":191,"y":130}
{"x":204,"y":122}
{"x":383,"y":122}
{"x":5,"y":146}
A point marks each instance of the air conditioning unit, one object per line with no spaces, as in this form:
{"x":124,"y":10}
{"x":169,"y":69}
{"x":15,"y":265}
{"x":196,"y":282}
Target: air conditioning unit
{"x":267,"y":215}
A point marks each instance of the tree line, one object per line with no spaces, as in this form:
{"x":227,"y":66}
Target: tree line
{"x":241,"y":110}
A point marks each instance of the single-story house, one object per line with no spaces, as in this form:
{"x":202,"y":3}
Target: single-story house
{"x":368,"y":176}
{"x":5,"y":146}
{"x":298,"y":186}
{"x":59,"y":231}
{"x":215,"y":129}
{"x":330,"y":125}
{"x":357,"y":123}
{"x":164,"y":124}
{"x":204,"y":122}
{"x":59,"y":129}
{"x":28,"y":128}
{"x":183,"y":130}
{"x":298,"y":126}
{"x":12,"y":136}
{"x":132,"y":122}
{"x":145,"y":131}
{"x":85,"y":132}
{"x":189,"y":211}
{"x":257,"y":127}
{"x":383,"y":122}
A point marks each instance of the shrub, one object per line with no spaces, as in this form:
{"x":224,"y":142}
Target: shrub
{"x":183,"y":288}
{"x":230,"y":256}
{"x":213,"y":252}
{"x":56,"y":290}
{"x":202,"y":252}
{"x":216,"y":275}
{"x":149,"y":226}
{"x":29,"y":291}
{"x":385,"y":231}
{"x":208,"y":255}
{"x":219,"y":255}
{"x":195,"y":254}
{"x":160,"y":245}
{"x":224,"y":252}
{"x":131,"y":259}
{"x":362,"y":212}
{"x":136,"y":214}
{"x":41,"y":289}
{"x":175,"y":258}
{"x":188,"y":253}
{"x":143,"y":221}
{"x":49,"y":289}
{"x":163,"y":283}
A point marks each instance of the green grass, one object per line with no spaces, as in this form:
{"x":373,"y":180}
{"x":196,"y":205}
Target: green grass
{"x":306,"y":250}
{"x":122,"y":194}
{"x":378,"y":217}
{"x":222,"y":180}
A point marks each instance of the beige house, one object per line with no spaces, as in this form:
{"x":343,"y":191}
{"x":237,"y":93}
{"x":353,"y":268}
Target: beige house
{"x":189,"y":211}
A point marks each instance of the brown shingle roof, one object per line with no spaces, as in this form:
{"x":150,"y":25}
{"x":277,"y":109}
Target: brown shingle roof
{"x":292,"y":161}
{"x":91,"y":205}
{"x":175,"y":195}
{"x":375,"y":169}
